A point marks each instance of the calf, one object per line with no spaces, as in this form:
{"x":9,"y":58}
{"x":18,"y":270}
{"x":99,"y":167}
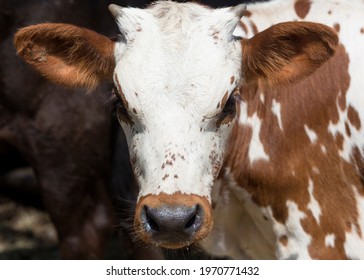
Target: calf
{"x":247,"y":142}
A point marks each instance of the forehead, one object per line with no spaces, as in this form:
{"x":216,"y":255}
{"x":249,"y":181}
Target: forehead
{"x":177,"y":48}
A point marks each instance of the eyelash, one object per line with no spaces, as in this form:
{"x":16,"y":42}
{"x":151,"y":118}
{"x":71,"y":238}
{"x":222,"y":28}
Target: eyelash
{"x":119,"y":102}
{"x":230,"y":105}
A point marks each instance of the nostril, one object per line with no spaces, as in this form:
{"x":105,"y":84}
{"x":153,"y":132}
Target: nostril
{"x":191,"y":222}
{"x":193,"y":218}
{"x":170,"y":222}
{"x":150,"y":221}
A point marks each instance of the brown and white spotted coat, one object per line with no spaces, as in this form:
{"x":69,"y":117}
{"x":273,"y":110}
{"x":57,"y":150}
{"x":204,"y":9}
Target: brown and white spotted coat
{"x":295,"y":163}
{"x":264,"y":126}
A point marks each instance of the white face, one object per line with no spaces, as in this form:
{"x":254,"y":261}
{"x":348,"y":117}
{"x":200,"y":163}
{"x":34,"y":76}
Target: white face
{"x":177,"y":74}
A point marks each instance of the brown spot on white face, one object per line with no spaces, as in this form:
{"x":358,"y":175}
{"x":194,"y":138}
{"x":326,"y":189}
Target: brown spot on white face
{"x":247,"y":13}
{"x":232,"y":79}
{"x":283,"y":240}
{"x":337,"y":27}
{"x":173,"y":220}
{"x":215,"y":35}
{"x":302,"y":8}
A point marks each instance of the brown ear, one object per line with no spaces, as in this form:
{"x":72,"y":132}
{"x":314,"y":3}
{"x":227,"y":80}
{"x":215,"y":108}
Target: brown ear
{"x":67,"y":54}
{"x":287,"y":52}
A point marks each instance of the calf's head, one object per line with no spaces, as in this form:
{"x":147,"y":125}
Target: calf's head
{"x":177,"y":69}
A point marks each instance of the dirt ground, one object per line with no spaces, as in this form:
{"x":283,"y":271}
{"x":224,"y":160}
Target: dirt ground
{"x":25,"y":233}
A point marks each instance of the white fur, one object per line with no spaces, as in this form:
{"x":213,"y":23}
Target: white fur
{"x":298,"y":239}
{"x":354,"y":245}
{"x":237,"y":218}
{"x":330,"y":240}
{"x":323,"y":149}
{"x":276,"y":109}
{"x":313,"y":205}
{"x":170,"y":58}
{"x":256,"y":148}
{"x":311,"y":134}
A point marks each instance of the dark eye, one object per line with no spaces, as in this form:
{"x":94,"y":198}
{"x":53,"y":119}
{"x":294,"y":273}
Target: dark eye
{"x":120,"y":106}
{"x":118,"y":102}
{"x":230,"y":105}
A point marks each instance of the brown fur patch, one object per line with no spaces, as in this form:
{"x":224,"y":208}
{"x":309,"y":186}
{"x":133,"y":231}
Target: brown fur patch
{"x":254,"y":27}
{"x":67,"y":54}
{"x":302,"y":8}
{"x":242,"y":24}
{"x":359,"y":161}
{"x":354,"y":118}
{"x":347,"y":129}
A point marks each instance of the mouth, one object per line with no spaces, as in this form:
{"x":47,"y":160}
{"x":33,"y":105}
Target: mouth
{"x":174,"y":246}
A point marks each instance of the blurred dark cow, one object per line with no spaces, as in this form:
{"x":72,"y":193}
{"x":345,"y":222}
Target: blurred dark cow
{"x":63,"y":134}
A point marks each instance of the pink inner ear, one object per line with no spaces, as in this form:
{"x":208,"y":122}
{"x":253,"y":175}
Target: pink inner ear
{"x":287,"y":52}
{"x":67,"y":54}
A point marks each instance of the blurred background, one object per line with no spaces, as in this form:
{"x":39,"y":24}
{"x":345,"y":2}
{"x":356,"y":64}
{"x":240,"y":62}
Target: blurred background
{"x":66,"y":186}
